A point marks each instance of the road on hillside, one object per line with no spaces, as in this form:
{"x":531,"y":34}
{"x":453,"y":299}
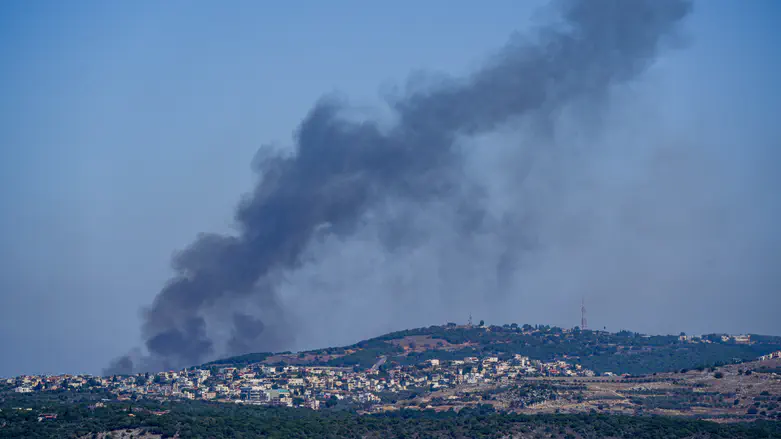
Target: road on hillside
{"x":379,"y":363}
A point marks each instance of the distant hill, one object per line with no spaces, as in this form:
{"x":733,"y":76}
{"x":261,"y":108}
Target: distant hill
{"x":601,"y":351}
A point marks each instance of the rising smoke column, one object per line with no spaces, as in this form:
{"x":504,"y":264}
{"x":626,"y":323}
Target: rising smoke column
{"x":340,"y":169}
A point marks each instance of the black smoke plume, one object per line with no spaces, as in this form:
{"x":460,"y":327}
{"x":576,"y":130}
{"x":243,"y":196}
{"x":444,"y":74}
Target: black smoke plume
{"x":341,"y":168}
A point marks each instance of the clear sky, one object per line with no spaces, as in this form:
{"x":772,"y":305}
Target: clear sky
{"x":129,"y":127}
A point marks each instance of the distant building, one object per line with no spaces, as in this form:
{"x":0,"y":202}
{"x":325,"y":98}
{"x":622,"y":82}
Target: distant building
{"x":47,"y":416}
{"x":737,"y":339}
{"x":295,"y":382}
{"x":524,"y":361}
{"x":253,"y":393}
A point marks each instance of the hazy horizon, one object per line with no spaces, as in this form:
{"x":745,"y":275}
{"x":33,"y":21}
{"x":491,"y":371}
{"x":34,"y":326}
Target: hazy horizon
{"x":129,"y":129}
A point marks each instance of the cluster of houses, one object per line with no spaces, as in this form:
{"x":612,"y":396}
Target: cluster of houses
{"x":313,"y":386}
{"x":724,"y":338}
{"x":33,"y":383}
{"x":771,"y":356}
{"x":299,"y":386}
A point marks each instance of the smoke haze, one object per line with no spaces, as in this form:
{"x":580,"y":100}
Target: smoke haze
{"x":621,"y":152}
{"x":388,"y":217}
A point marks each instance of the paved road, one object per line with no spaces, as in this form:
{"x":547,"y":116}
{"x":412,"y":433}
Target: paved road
{"x":379,"y":362}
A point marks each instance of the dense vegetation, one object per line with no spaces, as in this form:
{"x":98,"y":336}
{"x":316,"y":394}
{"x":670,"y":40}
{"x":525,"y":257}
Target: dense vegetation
{"x":241,"y":360}
{"x":622,"y":352}
{"x":203,"y":420}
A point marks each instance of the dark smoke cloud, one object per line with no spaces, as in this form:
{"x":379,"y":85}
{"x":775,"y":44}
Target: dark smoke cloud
{"x":223,"y":297}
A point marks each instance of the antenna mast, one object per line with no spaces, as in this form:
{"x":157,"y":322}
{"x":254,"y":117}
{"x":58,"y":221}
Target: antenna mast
{"x":583,"y":324}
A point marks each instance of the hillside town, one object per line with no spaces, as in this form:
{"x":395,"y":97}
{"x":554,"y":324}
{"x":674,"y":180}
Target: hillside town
{"x":369,"y":386}
{"x":311,"y":386}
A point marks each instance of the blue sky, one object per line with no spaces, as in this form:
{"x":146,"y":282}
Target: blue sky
{"x":129,"y":127}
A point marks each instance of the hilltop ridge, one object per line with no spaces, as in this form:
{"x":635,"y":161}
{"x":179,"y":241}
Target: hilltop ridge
{"x":623,"y":352}
{"x":447,"y":370}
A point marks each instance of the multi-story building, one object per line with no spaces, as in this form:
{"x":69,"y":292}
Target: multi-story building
{"x":254,"y":393}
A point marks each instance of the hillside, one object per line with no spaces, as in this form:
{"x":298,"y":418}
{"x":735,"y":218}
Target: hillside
{"x":507,"y":381}
{"x":624,"y":352}
{"x":730,"y":393}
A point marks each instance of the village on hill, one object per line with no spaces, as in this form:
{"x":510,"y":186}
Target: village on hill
{"x":437,"y":376}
